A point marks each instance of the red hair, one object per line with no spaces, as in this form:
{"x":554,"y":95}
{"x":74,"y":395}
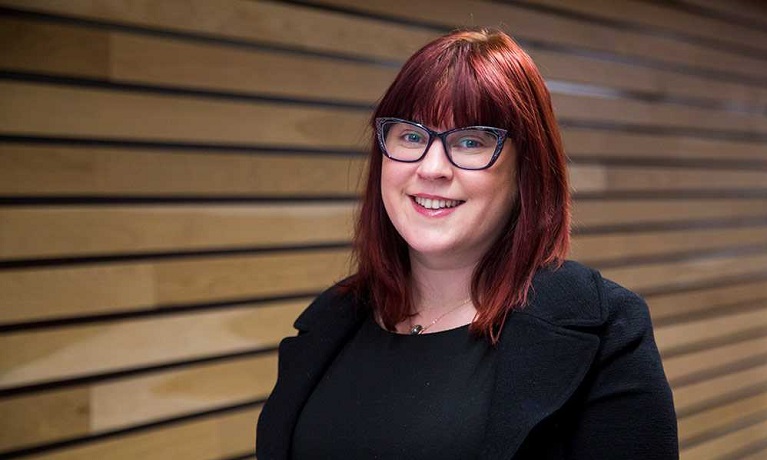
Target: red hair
{"x":465,"y":78}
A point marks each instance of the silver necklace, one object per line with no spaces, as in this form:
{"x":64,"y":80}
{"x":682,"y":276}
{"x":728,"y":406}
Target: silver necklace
{"x":416,"y":329}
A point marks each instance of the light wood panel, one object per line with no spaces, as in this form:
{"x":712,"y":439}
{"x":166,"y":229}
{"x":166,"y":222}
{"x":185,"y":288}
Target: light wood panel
{"x":580,"y":142}
{"x":143,"y":59}
{"x":34,"y":170}
{"x":67,"y":352}
{"x":218,"y":436}
{"x":45,"y":293}
{"x":147,"y":398}
{"x":721,"y":416}
{"x":252,"y":21}
{"x":600,"y":247}
{"x":58,"y":231}
{"x":678,"y":367}
{"x":658,"y":16}
{"x":705,"y":298}
{"x":642,"y":113}
{"x":727,"y":444}
{"x":710,"y":329}
{"x":63,"y":111}
{"x":607,"y":212}
{"x":37,"y":109}
{"x":85,"y":171}
{"x":706,"y":391}
{"x":42,"y":417}
{"x":530,"y":24}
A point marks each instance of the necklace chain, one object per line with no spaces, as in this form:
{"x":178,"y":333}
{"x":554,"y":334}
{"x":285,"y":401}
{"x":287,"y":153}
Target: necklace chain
{"x":416,"y":329}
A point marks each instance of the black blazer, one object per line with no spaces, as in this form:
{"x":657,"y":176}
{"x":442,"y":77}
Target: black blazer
{"x":578,"y":374}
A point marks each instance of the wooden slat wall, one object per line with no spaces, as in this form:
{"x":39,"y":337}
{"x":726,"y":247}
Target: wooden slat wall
{"x":178,"y":179}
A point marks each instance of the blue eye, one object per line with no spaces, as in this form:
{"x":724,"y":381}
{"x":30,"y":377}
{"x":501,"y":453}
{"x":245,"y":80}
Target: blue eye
{"x":469,"y":144}
{"x":412,"y":137}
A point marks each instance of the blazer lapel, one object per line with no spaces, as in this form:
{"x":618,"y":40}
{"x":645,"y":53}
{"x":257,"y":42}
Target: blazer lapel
{"x":303,"y":360}
{"x":539,"y":367}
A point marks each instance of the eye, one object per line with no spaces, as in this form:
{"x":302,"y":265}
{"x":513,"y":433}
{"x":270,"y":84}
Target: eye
{"x":469,"y":143}
{"x":412,"y":137}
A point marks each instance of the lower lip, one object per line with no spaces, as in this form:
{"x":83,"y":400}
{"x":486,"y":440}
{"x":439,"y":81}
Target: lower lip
{"x":432,"y":212}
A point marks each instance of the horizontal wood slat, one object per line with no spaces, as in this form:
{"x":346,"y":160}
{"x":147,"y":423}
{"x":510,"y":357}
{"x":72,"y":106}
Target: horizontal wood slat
{"x":607,"y":212}
{"x":530,"y":24}
{"x":681,"y":366}
{"x":57,"y":231}
{"x":728,"y":443}
{"x":67,"y":352}
{"x":34,"y":170}
{"x":664,"y":306}
{"x":658,"y":16}
{"x":32,"y":109}
{"x":710,"y":329}
{"x":600,"y":247}
{"x":104,"y":406}
{"x":720,"y":416}
{"x":583,"y":142}
{"x":162,"y":61}
{"x":711,"y":389}
{"x":251,"y":21}
{"x":217,"y":436}
{"x":46,"y":293}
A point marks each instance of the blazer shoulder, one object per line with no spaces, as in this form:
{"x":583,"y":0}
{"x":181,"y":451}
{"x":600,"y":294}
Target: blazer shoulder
{"x":576,"y":295}
{"x":336,"y":301}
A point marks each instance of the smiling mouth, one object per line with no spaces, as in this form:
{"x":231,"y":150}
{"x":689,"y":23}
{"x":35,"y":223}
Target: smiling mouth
{"x":430,"y":203}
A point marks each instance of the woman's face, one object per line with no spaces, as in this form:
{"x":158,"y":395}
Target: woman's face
{"x":473,"y":206}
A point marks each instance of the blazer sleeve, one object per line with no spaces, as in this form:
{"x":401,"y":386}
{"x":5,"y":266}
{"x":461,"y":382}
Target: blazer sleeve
{"x":628,"y":410}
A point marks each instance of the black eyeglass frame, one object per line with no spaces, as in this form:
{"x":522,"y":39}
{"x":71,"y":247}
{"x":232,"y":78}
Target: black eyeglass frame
{"x":501,"y":133}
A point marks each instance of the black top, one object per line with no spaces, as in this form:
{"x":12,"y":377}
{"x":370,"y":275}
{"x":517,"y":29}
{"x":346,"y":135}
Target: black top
{"x":394,"y":396}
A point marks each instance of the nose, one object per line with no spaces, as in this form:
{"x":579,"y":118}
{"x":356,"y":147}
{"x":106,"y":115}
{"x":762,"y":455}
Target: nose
{"x":435,"y":165}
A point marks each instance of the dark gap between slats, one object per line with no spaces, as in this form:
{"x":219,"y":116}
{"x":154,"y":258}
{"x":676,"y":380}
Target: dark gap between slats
{"x":737,"y":425}
{"x":166,"y":423}
{"x":646,"y":29}
{"x":712,"y":13}
{"x":530,"y":43}
{"x":132,"y":372}
{"x":730,"y":339}
{"x":722,"y":400}
{"x":719,"y":371}
{"x":711,"y":312}
{"x":156,"y":311}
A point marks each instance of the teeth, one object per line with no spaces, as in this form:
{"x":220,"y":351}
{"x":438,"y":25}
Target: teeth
{"x":428,"y":203}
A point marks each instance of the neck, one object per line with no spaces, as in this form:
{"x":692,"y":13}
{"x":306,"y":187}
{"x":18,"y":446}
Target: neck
{"x":439,"y":287}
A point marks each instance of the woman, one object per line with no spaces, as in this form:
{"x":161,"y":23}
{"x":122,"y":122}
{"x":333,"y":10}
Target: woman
{"x":464,"y":332}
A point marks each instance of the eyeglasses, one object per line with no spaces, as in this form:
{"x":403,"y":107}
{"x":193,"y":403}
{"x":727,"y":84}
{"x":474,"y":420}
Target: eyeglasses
{"x":472,"y":148}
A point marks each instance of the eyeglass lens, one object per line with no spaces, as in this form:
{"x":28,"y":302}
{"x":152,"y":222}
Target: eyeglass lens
{"x":467,"y":148}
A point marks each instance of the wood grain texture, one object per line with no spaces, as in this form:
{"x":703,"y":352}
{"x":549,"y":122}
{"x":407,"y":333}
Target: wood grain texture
{"x":681,"y":366}
{"x":531,"y":24}
{"x":710,"y":329}
{"x":660,"y":17}
{"x":105,"y":406}
{"x":58,"y":232}
{"x":727,"y":444}
{"x":583,"y":142}
{"x":34,"y":170}
{"x":665,"y":306}
{"x":711,"y":389}
{"x":67,"y":352}
{"x":37,"y":418}
{"x":218,"y":436}
{"x":148,"y":59}
{"x":70,"y":291}
{"x":721,"y":416}
{"x":251,"y":21}
{"x":32,"y":109}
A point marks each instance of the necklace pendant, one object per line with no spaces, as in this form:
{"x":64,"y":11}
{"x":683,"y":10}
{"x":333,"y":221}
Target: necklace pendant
{"x":416,"y":329}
